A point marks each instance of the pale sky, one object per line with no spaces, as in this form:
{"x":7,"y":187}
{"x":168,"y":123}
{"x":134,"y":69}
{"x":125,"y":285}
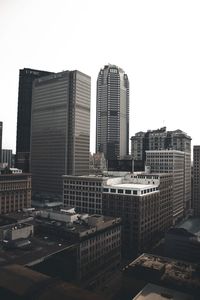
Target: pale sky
{"x":156,"y":42}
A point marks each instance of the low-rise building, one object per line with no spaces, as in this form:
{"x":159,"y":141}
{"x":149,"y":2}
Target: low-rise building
{"x":169,"y":273}
{"x":15,"y":192}
{"x":81,"y":248}
{"x":12,"y":232}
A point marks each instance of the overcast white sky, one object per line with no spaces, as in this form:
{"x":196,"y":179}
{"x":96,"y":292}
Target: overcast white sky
{"x":156,"y":42}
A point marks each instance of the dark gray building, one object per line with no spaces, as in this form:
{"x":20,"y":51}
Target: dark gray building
{"x":1,"y":132}
{"x":60,"y":133}
{"x":112,"y":116}
{"x":26,"y":78}
{"x":6,"y":157}
{"x":196,"y":180}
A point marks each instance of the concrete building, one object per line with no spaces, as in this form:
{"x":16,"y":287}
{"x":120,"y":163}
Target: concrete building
{"x":60,"y":131}
{"x":97,"y":241}
{"x":112,"y":116}
{"x":84,"y":249}
{"x":12,"y":232}
{"x":6,"y":157}
{"x":15,"y":192}
{"x":159,"y":139}
{"x":178,"y":164}
{"x":183,"y":277}
{"x":84,"y":192}
{"x":196,"y":180}
{"x":26,"y":78}
{"x":144,"y":202}
{"x":1,"y":133}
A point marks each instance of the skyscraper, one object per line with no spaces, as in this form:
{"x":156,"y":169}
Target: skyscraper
{"x":196,"y":180}
{"x":60,"y":130}
{"x":26,"y":78}
{"x":1,"y":131}
{"x":112,"y":116}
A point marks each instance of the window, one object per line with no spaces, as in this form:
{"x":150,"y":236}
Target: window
{"x":120,"y":191}
{"x":128,"y":192}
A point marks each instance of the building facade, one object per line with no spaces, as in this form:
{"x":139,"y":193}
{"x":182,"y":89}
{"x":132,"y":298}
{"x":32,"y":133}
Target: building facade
{"x":159,"y":139}
{"x":84,"y":193}
{"x":26,"y":78}
{"x":15,"y":192}
{"x":144,"y":203}
{"x":112,"y":112}
{"x":177,"y":163}
{"x":96,"y":240}
{"x":1,"y":133}
{"x":196,"y":180}
{"x":60,"y":131}
{"x":6,"y":157}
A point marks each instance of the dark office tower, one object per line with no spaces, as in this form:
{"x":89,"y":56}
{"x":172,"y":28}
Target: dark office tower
{"x":6,"y":157}
{"x":26,"y":78}
{"x":1,"y":131}
{"x":112,"y":117}
{"x":196,"y":180}
{"x":60,"y":131}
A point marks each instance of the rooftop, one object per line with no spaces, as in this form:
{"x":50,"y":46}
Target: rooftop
{"x":41,"y":247}
{"x":156,"y":292}
{"x":134,"y":186}
{"x":166,"y":271}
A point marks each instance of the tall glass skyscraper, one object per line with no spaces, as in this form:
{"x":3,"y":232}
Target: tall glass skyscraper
{"x":26,"y":78}
{"x":112,"y":117}
{"x":60,"y":131}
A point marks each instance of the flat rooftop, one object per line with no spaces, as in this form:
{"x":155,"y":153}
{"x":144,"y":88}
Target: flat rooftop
{"x":166,"y":270}
{"x":156,"y":292}
{"x":40,"y":248}
{"x":80,"y":225}
{"x":135,"y":186}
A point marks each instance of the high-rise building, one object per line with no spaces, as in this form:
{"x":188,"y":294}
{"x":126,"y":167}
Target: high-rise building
{"x":60,"y":131}
{"x":177,"y":163}
{"x":196,"y":180}
{"x":159,"y":139}
{"x":144,"y":203}
{"x":26,"y":78}
{"x":6,"y":157}
{"x":112,"y":116}
{"x":1,"y":132}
